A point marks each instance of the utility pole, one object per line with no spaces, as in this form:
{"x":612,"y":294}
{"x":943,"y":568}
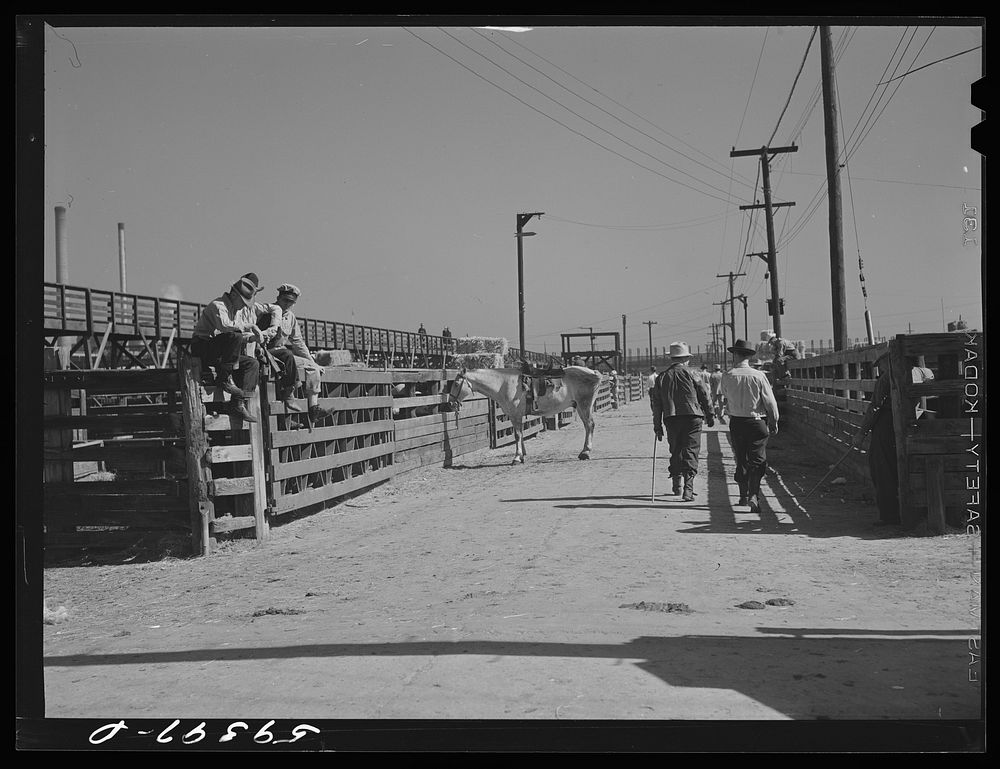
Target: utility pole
{"x":837,"y":279}
{"x":768,"y":206}
{"x":732,"y":326}
{"x":522,"y":219}
{"x":732,"y":318}
{"x":650,"y":324}
{"x":746,"y":329}
{"x":624,"y":361}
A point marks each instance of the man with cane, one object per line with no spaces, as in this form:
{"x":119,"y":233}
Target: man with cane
{"x":679,"y":402}
{"x":753,"y":418}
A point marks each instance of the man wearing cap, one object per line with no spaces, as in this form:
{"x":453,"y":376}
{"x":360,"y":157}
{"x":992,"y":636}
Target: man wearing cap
{"x":753,"y":418}
{"x":225,"y":337}
{"x":715,"y":390}
{"x":679,"y":402}
{"x":284,"y":342}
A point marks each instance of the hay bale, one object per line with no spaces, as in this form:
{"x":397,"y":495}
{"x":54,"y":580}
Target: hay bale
{"x":333,"y":357}
{"x":476,"y":360}
{"x":481,"y":344}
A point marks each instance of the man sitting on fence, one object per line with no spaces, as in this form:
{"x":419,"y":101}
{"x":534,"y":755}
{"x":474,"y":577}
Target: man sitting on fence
{"x":225,"y":338}
{"x":284,"y":342}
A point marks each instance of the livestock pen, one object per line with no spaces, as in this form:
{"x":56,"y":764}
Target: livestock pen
{"x":937,"y":423}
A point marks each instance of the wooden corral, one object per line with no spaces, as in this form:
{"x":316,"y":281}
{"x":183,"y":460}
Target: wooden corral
{"x":428,"y":430}
{"x":827,"y":396}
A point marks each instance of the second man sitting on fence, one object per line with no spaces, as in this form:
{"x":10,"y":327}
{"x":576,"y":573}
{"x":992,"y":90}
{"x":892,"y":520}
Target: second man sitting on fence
{"x":284,"y":341}
{"x":679,"y":401}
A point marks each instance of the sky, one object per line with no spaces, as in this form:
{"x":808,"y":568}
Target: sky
{"x":381,"y":169}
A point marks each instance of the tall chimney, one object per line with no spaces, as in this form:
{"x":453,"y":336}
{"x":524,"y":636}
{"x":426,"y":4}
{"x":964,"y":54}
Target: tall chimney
{"x":121,"y":254}
{"x":62,"y":249}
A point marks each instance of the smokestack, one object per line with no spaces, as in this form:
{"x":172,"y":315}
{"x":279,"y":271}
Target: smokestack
{"x":64,"y":344}
{"x":121,"y":254}
{"x":62,"y":248}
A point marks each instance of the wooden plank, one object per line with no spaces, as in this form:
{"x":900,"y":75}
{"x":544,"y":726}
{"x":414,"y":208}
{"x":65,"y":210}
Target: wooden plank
{"x":345,"y":404}
{"x":259,"y":408}
{"x":420,"y":375}
{"x":95,"y":540}
{"x":405,"y":431}
{"x":148,"y":519}
{"x":115,"y":423}
{"x":85,"y":503}
{"x":201,"y":509}
{"x":297,"y":437}
{"x":227,"y":487}
{"x":951,"y":480}
{"x":937,"y":344}
{"x":947,"y":427}
{"x":420,"y":400}
{"x":115,"y":381}
{"x":919,"y":444}
{"x":122,"y":450}
{"x":232,"y":523}
{"x":331,"y":491}
{"x":953,"y":463}
{"x":221,"y":422}
{"x":355,"y":376}
{"x":238,"y":453}
{"x":441,"y":439}
{"x":282,"y":470}
{"x":935,"y":387}
{"x":153,"y":487}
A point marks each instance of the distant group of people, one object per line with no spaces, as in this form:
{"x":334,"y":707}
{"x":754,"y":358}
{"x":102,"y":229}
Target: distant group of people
{"x":683,"y":400}
{"x":235,"y":334}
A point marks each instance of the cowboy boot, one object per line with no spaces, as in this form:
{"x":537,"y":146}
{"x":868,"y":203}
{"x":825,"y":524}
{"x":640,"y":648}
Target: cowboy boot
{"x":317,"y":413}
{"x":239,"y":409}
{"x":688,"y":488}
{"x":288,"y":399}
{"x":677,"y":484}
{"x":226,"y":383}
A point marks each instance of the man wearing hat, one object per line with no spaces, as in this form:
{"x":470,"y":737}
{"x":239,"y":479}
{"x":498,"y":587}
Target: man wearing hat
{"x":651,"y":382}
{"x":753,"y":418}
{"x":284,"y":342}
{"x":225,"y":337}
{"x":715,"y":390}
{"x":679,"y":402}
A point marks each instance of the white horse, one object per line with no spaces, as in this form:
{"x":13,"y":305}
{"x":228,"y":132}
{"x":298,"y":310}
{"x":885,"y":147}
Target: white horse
{"x":516,"y":393}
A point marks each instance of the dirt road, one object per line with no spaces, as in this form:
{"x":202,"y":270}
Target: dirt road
{"x":552,"y":590}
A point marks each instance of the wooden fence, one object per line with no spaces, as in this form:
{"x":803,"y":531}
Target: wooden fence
{"x":185,"y":470}
{"x":827,"y":396}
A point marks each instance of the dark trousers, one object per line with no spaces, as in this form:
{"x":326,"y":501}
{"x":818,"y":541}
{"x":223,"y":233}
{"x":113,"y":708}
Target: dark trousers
{"x":684,"y":440}
{"x":288,"y":377}
{"x":225,"y":353}
{"x":749,"y":437}
{"x":882,"y":465}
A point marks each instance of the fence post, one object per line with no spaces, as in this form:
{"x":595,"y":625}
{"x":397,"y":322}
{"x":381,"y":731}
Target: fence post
{"x":195,"y":448}
{"x":902,"y":415}
{"x":261,"y":527}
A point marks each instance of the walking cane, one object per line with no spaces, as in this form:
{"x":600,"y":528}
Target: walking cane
{"x":828,"y":473}
{"x":652,"y":490}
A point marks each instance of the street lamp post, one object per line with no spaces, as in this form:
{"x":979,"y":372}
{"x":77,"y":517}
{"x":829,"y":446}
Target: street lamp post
{"x":522,"y":219}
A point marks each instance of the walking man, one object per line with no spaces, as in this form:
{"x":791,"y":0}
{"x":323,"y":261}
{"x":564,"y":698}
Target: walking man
{"x":225,"y":338}
{"x":679,"y":403}
{"x":651,"y":382}
{"x":715,"y":390}
{"x":284,"y":342}
{"x":753,"y":418}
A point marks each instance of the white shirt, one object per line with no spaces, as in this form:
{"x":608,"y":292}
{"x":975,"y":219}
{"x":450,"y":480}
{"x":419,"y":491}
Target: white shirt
{"x":748,"y":393}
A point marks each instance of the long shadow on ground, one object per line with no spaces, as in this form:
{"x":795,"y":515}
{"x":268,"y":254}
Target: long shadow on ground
{"x":804,"y":673}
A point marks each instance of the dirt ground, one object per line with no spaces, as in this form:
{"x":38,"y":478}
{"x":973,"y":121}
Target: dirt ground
{"x":552,"y":590}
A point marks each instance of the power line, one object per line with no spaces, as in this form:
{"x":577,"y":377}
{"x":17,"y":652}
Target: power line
{"x":559,"y":122}
{"x":794,"y":83}
{"x":938,"y":61}
{"x":585,"y":119}
{"x":696,"y":222}
{"x":627,"y":109}
{"x":606,"y":112}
